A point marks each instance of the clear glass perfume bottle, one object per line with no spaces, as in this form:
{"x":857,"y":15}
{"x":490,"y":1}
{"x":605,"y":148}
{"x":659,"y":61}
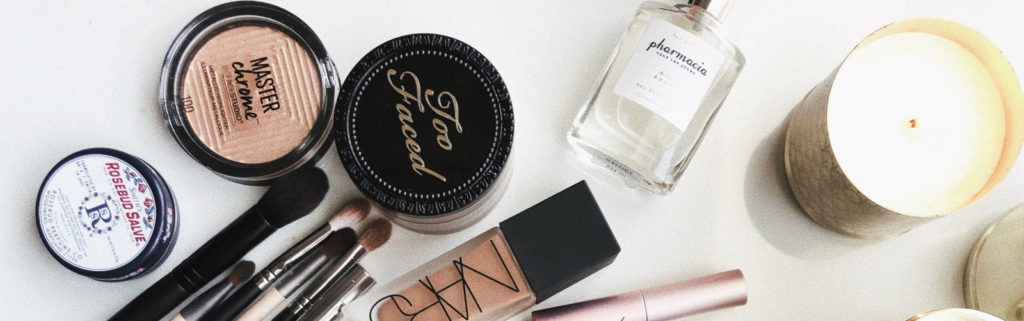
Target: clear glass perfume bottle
{"x":663,"y":84}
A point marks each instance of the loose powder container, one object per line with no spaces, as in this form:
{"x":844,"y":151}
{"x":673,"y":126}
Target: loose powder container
{"x":424,"y":129}
{"x":106,"y":215}
{"x":248,"y":91}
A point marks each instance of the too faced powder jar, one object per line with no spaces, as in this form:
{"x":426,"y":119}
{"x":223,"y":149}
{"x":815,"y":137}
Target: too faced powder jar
{"x":247,"y":90}
{"x":424,"y":129}
{"x":106,"y":215}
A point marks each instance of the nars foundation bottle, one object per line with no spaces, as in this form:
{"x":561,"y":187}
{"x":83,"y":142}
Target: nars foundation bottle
{"x":663,"y":84}
{"x":424,"y":130}
{"x":247,"y":90}
{"x":502,"y":272}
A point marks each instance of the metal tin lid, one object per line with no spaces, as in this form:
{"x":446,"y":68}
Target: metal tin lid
{"x":424,"y":125}
{"x":993,"y":281}
{"x":106,"y":214}
{"x":955,"y":314}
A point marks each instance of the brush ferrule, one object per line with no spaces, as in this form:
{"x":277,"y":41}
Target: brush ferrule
{"x":334,"y":272}
{"x":266,"y":278}
{"x":299,"y":305}
{"x":294,"y":254}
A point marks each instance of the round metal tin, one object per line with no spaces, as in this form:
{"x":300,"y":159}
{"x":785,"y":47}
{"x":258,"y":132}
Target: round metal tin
{"x":106,"y":215}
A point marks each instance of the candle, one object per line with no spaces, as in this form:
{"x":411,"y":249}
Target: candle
{"x":917,"y":122}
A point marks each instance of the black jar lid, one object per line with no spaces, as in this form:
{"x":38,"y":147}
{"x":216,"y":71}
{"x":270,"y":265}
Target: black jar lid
{"x":107,"y":215}
{"x":424,"y":125}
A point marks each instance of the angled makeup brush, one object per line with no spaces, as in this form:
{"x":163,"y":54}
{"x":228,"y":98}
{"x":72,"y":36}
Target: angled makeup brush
{"x":205,"y":301}
{"x":351,"y":214}
{"x":376,"y":234}
{"x":338,"y":243}
{"x":288,"y":199}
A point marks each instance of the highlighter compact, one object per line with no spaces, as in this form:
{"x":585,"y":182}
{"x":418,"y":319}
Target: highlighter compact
{"x":247,"y":90}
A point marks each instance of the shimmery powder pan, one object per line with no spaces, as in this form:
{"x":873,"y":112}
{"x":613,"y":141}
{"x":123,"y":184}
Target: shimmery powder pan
{"x":247,"y":90}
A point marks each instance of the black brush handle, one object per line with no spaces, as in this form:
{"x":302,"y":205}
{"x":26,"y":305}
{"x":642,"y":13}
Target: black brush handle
{"x":287,"y":315}
{"x":236,"y":303}
{"x":210,"y":260}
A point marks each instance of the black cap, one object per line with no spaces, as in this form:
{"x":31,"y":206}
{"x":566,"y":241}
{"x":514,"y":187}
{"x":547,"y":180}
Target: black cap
{"x":561,"y":240}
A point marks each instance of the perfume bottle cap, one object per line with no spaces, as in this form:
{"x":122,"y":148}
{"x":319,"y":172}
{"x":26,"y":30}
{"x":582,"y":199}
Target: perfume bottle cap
{"x":717,"y":8}
{"x":561,"y":240}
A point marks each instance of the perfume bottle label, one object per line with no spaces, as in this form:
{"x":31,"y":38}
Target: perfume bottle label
{"x":670,"y":72}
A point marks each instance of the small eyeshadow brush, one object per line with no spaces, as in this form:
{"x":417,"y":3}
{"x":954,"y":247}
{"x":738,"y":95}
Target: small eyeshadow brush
{"x":351,"y":214}
{"x":340,"y":242}
{"x":205,"y":301}
{"x":288,"y":199}
{"x":376,"y":234}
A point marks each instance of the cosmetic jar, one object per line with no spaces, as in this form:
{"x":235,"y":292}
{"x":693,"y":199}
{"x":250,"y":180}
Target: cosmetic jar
{"x":424,"y":129}
{"x":106,"y":215}
{"x":248,"y":91}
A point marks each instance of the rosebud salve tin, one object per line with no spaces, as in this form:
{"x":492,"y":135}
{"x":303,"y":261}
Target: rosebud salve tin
{"x":106,"y":215}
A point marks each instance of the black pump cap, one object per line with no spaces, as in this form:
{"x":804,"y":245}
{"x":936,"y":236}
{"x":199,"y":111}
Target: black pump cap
{"x":561,"y":240}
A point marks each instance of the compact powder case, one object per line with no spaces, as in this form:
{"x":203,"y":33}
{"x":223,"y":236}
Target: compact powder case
{"x":424,"y":129}
{"x":247,"y":90}
{"x":106,"y":215}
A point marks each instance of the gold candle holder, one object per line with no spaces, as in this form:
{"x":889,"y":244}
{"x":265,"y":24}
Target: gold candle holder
{"x":866,"y":183}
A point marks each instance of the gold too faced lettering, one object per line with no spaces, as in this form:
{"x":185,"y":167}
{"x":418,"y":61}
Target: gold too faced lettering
{"x":443,"y":106}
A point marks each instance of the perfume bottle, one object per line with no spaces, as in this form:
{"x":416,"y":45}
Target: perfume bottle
{"x":661,"y":88}
{"x":504,"y":271}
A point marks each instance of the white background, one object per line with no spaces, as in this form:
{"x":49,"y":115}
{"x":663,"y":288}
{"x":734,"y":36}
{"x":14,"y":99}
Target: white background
{"x":78,"y":74}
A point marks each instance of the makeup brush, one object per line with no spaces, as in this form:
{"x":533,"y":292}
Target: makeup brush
{"x":338,"y":243}
{"x":376,"y":234}
{"x":351,"y":214}
{"x":289,"y":198}
{"x":356,"y":282}
{"x":205,"y":301}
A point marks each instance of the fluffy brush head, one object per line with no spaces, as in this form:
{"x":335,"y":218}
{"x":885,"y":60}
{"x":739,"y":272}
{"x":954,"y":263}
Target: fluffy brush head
{"x":339,"y":242}
{"x":376,"y":234}
{"x":293,"y":196}
{"x":352,"y":213}
{"x":242,"y":271}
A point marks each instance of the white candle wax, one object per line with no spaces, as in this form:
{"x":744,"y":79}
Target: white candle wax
{"x":916,"y":123}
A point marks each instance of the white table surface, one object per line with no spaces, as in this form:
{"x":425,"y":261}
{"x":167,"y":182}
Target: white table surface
{"x":78,"y":74}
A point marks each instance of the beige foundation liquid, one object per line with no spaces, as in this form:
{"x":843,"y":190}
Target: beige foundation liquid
{"x":251,"y":94}
{"x":504,"y":271}
{"x":484,"y":283}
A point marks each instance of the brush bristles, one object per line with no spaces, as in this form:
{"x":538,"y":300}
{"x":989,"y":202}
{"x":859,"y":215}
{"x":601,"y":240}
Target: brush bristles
{"x":293,"y":196}
{"x":242,"y":271}
{"x":375,"y":235}
{"x":352,"y":213}
{"x":339,"y":242}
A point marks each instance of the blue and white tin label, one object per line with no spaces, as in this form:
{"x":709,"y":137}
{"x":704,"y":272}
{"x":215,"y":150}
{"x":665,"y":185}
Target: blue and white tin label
{"x":96,"y":212}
